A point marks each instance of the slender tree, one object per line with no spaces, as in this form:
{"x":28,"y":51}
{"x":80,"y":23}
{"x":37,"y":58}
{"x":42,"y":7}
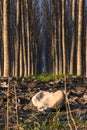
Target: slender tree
{"x":73,"y":38}
{"x":79,"y":44}
{"x":28,"y":5}
{"x":17,"y":38}
{"x":23,"y":40}
{"x":20,"y":43}
{"x":63,"y":37}
{"x":5,"y":38}
{"x":1,"y":39}
{"x":56,"y":38}
{"x":86,"y":36}
{"x":60,"y":58}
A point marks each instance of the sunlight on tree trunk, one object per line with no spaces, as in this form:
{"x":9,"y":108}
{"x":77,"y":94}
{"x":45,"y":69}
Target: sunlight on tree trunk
{"x":28,"y":36}
{"x":21,"y":60}
{"x":5,"y":38}
{"x":63,"y":37}
{"x":79,"y":44}
{"x":86,"y":37}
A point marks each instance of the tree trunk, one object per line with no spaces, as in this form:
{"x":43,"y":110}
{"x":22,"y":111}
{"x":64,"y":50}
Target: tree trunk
{"x":17,"y":37}
{"x":73,"y":38}
{"x":63,"y":37}
{"x":21,"y":45}
{"x":23,"y":41}
{"x":5,"y":38}
{"x":0,"y":60}
{"x":28,"y":36}
{"x":79,"y":44}
{"x":56,"y":42}
{"x":59,"y":38}
{"x":21,"y":58}
{"x":86,"y":36}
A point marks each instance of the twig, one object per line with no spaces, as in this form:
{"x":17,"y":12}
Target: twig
{"x":68,"y":117}
{"x":8,"y":106}
{"x":71,"y":116}
{"x":16,"y":105}
{"x":66,"y":104}
{"x":68,"y":108}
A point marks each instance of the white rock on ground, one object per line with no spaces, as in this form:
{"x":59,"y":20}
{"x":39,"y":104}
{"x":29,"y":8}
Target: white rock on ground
{"x":43,"y":99}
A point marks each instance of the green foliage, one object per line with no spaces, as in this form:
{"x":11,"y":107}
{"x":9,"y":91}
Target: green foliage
{"x":46,"y":77}
{"x":52,"y":77}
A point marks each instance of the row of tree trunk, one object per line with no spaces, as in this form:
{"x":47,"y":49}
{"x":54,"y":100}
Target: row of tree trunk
{"x":71,"y":36}
{"x":38,"y":36}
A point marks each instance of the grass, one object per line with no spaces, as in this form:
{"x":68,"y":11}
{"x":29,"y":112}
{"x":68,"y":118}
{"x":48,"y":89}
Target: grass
{"x":47,"y":76}
{"x":48,"y":121}
{"x":52,"y":77}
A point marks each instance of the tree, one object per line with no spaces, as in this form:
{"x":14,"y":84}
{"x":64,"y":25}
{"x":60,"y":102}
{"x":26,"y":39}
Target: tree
{"x":73,"y":38}
{"x":23,"y":39}
{"x":1,"y":38}
{"x":56,"y":59}
{"x":60,"y":38}
{"x":17,"y":38}
{"x":63,"y":37}
{"x":28,"y":5}
{"x":5,"y":38}
{"x":43,"y":36}
{"x":79,"y":44}
{"x":86,"y":38}
{"x":67,"y":31}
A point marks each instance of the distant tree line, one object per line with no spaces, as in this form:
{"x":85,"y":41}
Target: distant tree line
{"x":38,"y":36}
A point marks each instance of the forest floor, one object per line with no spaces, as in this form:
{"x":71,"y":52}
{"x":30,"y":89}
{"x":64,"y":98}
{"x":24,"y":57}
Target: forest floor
{"x":16,"y":106}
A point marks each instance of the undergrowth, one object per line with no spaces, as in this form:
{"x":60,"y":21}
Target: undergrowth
{"x":48,"y":121}
{"x":50,"y":77}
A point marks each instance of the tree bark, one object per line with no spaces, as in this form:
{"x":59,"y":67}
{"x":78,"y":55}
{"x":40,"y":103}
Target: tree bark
{"x":63,"y":37}
{"x":17,"y":37}
{"x":5,"y":38}
{"x":79,"y":44}
{"x":60,"y":38}
{"x":23,"y":42}
{"x":86,"y":38}
{"x":73,"y":38}
{"x":28,"y":36}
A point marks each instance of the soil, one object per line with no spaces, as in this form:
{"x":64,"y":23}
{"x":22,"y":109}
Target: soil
{"x":18,"y":100}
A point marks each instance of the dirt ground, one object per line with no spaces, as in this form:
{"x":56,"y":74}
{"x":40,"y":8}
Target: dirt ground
{"x":18,"y":99}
